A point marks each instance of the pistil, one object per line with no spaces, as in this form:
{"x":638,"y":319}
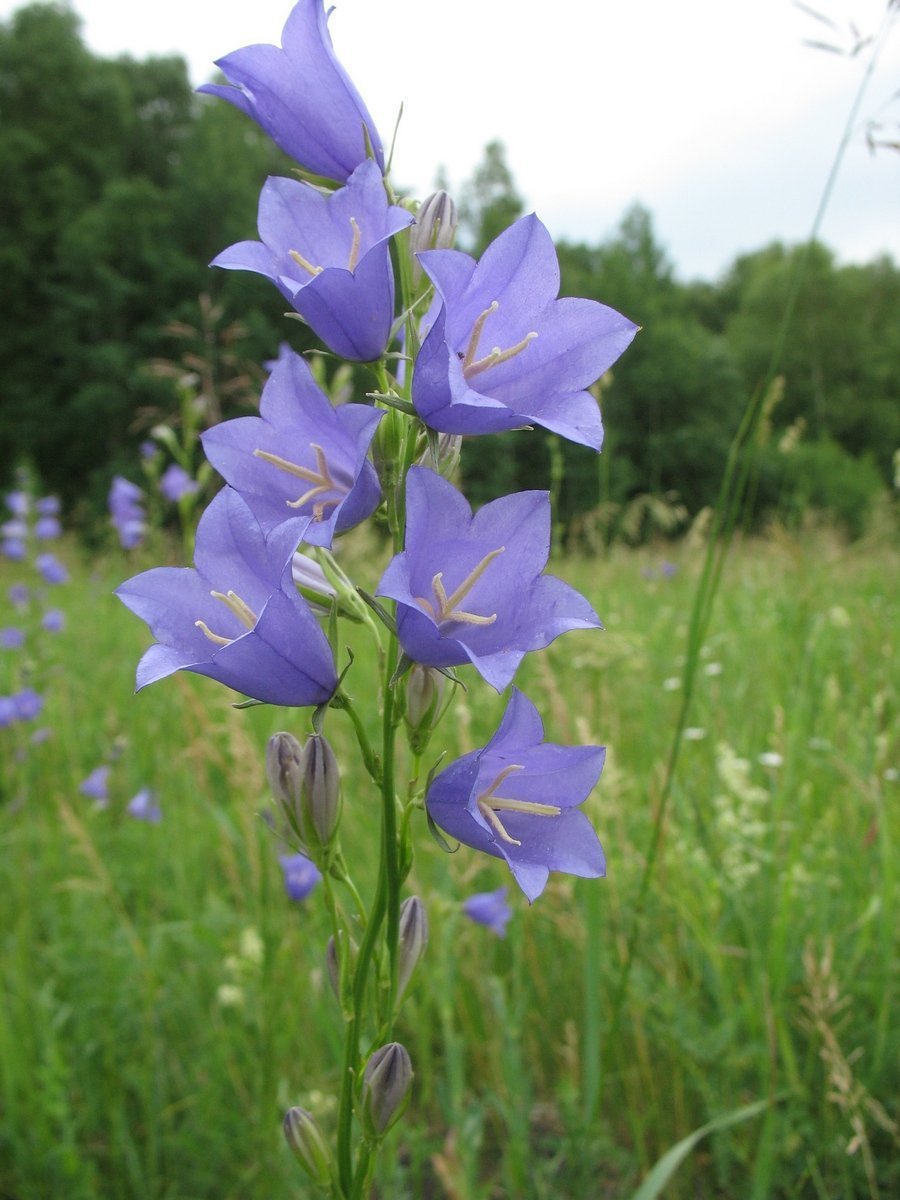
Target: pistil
{"x":354,"y":248}
{"x":445,"y":607}
{"x":489,"y":804}
{"x":474,"y":366}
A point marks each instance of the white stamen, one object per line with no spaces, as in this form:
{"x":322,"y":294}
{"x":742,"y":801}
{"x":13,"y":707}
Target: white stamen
{"x":307,"y":266}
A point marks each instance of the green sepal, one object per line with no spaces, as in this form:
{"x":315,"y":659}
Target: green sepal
{"x":248,"y":703}
{"x":438,"y":835}
{"x":380,"y":611}
{"x":404,"y":664}
{"x":393,"y":401}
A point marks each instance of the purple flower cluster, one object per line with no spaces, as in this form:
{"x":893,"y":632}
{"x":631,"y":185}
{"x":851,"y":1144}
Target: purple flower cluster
{"x":497,"y":349}
{"x":126,"y":511}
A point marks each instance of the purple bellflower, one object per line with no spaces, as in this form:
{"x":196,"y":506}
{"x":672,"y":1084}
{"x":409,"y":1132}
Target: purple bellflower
{"x":53,"y":620}
{"x":471,"y":589}
{"x":14,"y":549}
{"x":8,"y":711}
{"x":96,"y":786}
{"x":125,"y":504}
{"x":301,"y":457}
{"x":300,"y":875}
{"x":46,"y":528}
{"x":29,"y":705}
{"x":236,"y":617}
{"x":18,"y":504}
{"x":517,"y":799}
{"x":329,"y":257}
{"x":144,"y":806}
{"x":175,"y":483}
{"x":489,"y":909}
{"x":48,"y":506}
{"x":12,"y":638}
{"x":51,"y":569}
{"x":302,"y":97}
{"x":503,"y":352}
{"x":18,"y":595}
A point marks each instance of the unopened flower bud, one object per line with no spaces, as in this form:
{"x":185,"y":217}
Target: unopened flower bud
{"x":424,"y":704}
{"x":333,"y":964}
{"x":283,"y":771}
{"x":387,"y":1080}
{"x":309,"y":1147}
{"x":412,"y":940}
{"x":320,"y":792}
{"x":435,"y":227}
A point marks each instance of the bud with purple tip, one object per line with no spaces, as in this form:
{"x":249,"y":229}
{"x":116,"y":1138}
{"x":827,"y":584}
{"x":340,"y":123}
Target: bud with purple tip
{"x":386,"y":1085}
{"x":435,"y":227}
{"x":320,"y":793}
{"x":308,"y":1145}
{"x":424,"y":704}
{"x":412,"y":940}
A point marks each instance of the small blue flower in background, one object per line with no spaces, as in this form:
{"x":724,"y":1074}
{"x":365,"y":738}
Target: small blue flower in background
{"x":53,"y":620}
{"x":175,"y":483}
{"x":17,"y":503}
{"x":327,"y":477}
{"x":48,"y":506}
{"x":300,"y":875}
{"x":51,"y":569}
{"x":11,"y":638}
{"x":503,"y":352}
{"x":301,"y":96}
{"x":14,"y":549}
{"x":489,"y":909}
{"x":237,"y":616}
{"x":95,"y":787}
{"x":471,"y":589}
{"x":148,"y":449}
{"x":144,"y":806}
{"x":125,"y":504}
{"x":8,"y":712}
{"x":28,"y":704}
{"x":19,"y":595}
{"x":329,"y":257}
{"x":47,"y":528}
{"x":517,"y":799}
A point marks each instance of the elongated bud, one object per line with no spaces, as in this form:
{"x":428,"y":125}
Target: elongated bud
{"x":435,"y":227}
{"x":424,"y":704}
{"x":333,"y":967}
{"x":283,"y":771}
{"x":320,"y":792}
{"x":309,"y":1147}
{"x":387,"y":1080}
{"x":412,"y":940}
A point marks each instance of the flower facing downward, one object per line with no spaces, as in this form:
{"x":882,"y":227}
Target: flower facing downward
{"x":471,"y":589}
{"x":489,"y":909}
{"x":517,"y":799}
{"x":329,"y":257}
{"x":301,"y":96}
{"x":237,"y":617}
{"x":301,"y":875}
{"x":301,"y":457}
{"x":503,"y":351}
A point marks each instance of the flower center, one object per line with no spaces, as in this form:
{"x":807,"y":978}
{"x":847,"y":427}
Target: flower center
{"x":312,"y":270}
{"x":321,"y":479}
{"x":489,"y":804}
{"x":241,"y":610}
{"x":474,"y":366}
{"x":445,"y":607}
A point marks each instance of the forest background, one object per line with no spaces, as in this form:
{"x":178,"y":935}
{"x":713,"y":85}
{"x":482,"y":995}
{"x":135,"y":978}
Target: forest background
{"x":120,"y":184}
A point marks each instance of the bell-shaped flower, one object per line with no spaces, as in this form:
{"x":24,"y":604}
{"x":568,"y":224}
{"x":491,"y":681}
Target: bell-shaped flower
{"x":502,"y":352}
{"x":329,"y":257}
{"x":471,"y":589}
{"x":236,"y":617}
{"x":517,"y":798}
{"x":302,"y":97}
{"x":489,"y":909}
{"x":301,"y":457}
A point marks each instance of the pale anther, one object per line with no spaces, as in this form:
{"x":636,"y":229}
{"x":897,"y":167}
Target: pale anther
{"x":472,"y":348}
{"x":445,"y":607}
{"x":497,"y":356}
{"x":354,"y":248}
{"x":213,"y":637}
{"x":320,"y":478}
{"x":490,"y":804}
{"x":239,"y":607}
{"x":307,"y":266}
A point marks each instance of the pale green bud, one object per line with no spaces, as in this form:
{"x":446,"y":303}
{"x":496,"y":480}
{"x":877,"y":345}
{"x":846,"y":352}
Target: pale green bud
{"x":412,"y":940}
{"x":283,"y":771}
{"x":320,"y":792}
{"x":424,"y":704}
{"x":435,"y":228}
{"x":309,"y":1147}
{"x":387,"y":1080}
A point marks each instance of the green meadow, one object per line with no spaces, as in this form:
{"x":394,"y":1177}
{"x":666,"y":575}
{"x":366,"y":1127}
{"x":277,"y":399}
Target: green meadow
{"x":164,"y":1002}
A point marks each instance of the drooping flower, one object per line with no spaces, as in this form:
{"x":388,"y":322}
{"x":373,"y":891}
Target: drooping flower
{"x":52,"y":571}
{"x":329,"y":257}
{"x":517,"y":799}
{"x":471,"y":589}
{"x":125,"y":504}
{"x":236,"y":617}
{"x":300,"y":457}
{"x":300,"y":875}
{"x":175,"y":483}
{"x":302,"y":97}
{"x":144,"y":806}
{"x":489,"y":909}
{"x":503,"y":352}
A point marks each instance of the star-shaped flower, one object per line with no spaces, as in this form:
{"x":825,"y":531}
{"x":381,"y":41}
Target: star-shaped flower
{"x":302,"y":97}
{"x":517,"y":799}
{"x":503,"y":352}
{"x":301,"y":457}
{"x":471,"y":589}
{"x":237,"y":617}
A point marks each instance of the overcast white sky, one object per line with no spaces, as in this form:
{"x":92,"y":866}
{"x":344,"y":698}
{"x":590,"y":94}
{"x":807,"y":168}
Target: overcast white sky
{"x":712,"y":113}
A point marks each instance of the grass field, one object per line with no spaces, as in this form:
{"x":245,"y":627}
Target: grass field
{"x":163,"y":1001}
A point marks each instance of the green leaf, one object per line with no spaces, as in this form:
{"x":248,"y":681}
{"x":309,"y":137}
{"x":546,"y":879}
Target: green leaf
{"x":665,"y":1168}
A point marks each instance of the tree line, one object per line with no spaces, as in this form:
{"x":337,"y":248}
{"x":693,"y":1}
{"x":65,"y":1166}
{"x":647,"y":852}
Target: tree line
{"x":119,"y":184}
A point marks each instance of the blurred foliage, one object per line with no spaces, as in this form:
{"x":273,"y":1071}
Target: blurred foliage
{"x":121,"y":185}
